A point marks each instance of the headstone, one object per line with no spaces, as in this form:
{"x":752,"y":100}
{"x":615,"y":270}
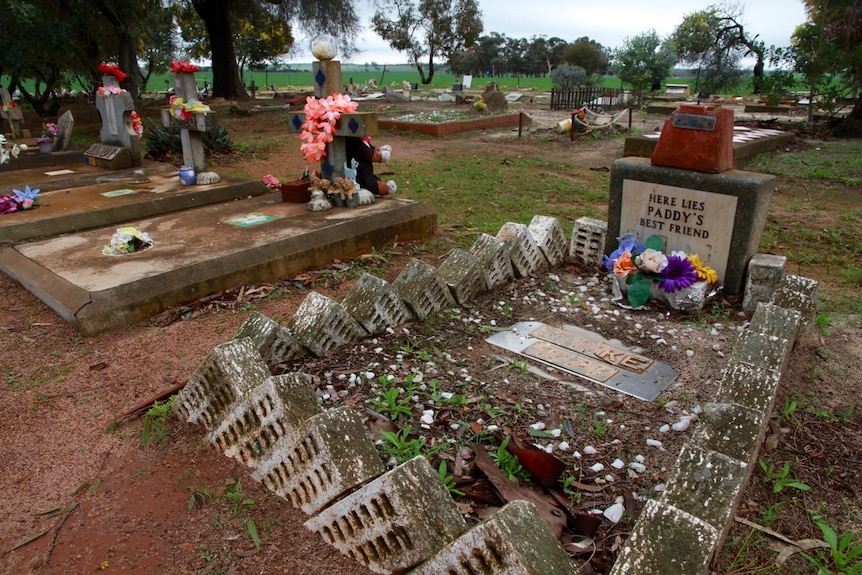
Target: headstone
{"x":191,"y":130}
{"x":720,"y":217}
{"x":496,"y":101}
{"x":327,"y":81}
{"x":12,"y":113}
{"x":116,"y":111}
{"x":65,"y":125}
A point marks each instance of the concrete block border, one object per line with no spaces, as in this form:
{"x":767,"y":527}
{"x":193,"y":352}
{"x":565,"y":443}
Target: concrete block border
{"x":367,"y":515}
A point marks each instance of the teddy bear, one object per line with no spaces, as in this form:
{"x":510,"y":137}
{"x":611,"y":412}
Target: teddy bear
{"x":365,"y":155}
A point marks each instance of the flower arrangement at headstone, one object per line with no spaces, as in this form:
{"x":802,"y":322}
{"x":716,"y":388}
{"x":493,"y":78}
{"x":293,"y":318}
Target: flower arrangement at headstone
{"x":11,"y":153}
{"x":127,"y":240}
{"x":110,"y":69}
{"x":50,"y":130}
{"x":644,"y":271}
{"x":321,"y":115}
{"x":19,"y":200}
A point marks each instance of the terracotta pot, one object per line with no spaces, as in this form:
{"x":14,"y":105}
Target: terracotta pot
{"x":295,"y":192}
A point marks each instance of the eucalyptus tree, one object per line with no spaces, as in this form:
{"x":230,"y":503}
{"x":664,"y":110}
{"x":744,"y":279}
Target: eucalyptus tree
{"x":427,"y":29}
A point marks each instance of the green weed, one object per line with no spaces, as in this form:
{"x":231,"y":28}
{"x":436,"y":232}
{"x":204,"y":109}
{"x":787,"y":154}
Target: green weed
{"x":845,"y":553}
{"x":155,"y":428}
{"x":508,"y":463}
{"x":236,"y":498}
{"x":781,"y":477}
{"x":448,"y":480}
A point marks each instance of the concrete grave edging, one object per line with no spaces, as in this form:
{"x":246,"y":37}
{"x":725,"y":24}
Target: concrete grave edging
{"x":681,"y":530}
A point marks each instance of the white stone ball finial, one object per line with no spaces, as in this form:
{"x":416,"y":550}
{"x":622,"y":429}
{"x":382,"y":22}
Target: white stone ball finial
{"x":324,"y":47}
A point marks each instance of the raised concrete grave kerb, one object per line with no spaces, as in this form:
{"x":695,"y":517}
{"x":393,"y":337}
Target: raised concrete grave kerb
{"x":679,"y":531}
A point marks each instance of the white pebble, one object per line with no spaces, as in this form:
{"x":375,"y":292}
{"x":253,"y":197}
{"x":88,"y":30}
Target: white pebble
{"x":563,"y":446}
{"x":538,"y":425}
{"x":654,"y":443}
{"x":614,"y":513}
{"x":589,"y":450}
{"x":639,"y":467}
{"x":664,"y":428}
{"x":689,"y":353}
{"x":597,"y":467}
{"x":618,"y":463}
{"x":660,"y":487}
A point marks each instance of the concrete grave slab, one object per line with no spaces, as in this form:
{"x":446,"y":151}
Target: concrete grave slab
{"x":86,"y":199}
{"x":198,"y":255}
{"x":589,"y":356}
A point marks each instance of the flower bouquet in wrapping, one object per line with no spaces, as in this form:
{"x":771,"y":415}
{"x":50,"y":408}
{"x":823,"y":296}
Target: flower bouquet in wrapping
{"x":645,"y":271}
{"x":127,"y":240}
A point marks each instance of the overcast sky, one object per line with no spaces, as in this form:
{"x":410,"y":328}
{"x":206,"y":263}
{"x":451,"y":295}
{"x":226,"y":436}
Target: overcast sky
{"x":608,"y":23}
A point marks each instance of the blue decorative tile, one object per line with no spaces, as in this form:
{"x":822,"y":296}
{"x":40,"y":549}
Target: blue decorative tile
{"x":353,"y":125}
{"x":320,"y":78}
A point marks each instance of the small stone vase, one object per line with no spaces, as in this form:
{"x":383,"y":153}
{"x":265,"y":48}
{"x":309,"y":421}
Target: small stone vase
{"x":46,"y":146}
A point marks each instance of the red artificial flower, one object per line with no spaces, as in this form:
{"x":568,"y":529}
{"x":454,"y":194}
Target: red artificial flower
{"x":106,"y":69}
{"x":183,"y":66}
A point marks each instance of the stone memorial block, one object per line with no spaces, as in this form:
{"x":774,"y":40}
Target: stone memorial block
{"x":422,"y":289}
{"x":108,"y":157}
{"x":550,"y":238}
{"x":322,"y":324}
{"x":375,"y":304}
{"x":697,"y":138}
{"x":65,"y":125}
{"x":116,"y":109}
{"x":588,"y":242}
{"x":12,"y":113}
{"x":495,"y":261}
{"x":717,"y":216}
{"x":526,"y":256}
{"x":462,"y":272}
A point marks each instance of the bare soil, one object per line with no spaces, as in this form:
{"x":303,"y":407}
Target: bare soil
{"x":76,"y":470}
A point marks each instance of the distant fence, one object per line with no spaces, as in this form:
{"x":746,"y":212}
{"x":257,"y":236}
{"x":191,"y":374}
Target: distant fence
{"x":604,"y":98}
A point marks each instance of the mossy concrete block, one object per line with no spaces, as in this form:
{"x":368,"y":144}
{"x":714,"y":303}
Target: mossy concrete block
{"x":274,"y":409}
{"x":731,"y":429}
{"x":527,"y":258}
{"x":706,"y":484}
{"x":422,"y":289}
{"x":776,"y":321}
{"x":550,"y":238}
{"x":667,"y":541}
{"x":749,"y":386}
{"x":514,"y":540}
{"x":588,"y":243}
{"x":321,"y":324}
{"x":494,"y":259}
{"x":765,"y":276}
{"x":261,"y":330}
{"x":799,"y":293}
{"x":327,"y":456}
{"x":228,"y":374}
{"x":760,"y":349}
{"x":395,"y":522}
{"x":284,"y":348}
{"x":462,"y":273}
{"x":374,"y":303}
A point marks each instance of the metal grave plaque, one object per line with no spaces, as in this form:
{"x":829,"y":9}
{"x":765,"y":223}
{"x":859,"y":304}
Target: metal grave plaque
{"x":694,"y":122}
{"x":587,"y":355}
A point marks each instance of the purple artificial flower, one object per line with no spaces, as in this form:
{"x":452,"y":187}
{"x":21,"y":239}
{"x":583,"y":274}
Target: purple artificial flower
{"x":627,"y":243}
{"x":679,"y":274}
{"x":8,"y":204}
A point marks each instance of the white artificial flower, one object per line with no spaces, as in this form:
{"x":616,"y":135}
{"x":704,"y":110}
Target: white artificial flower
{"x":651,"y":260}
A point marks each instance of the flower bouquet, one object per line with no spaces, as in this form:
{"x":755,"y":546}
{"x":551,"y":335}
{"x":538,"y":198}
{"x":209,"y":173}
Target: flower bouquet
{"x":643,"y":271}
{"x":19,"y":200}
{"x":127,"y":240}
{"x":50,"y":130}
{"x":106,"y":69}
{"x":321,"y":115}
{"x":183,"y":110}
{"x":7,"y":154}
{"x":183,"y":67}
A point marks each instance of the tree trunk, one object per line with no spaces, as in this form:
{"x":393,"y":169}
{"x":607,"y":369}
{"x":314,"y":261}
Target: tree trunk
{"x":421,"y":73}
{"x":216,"y":15}
{"x":851,"y":126}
